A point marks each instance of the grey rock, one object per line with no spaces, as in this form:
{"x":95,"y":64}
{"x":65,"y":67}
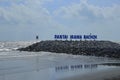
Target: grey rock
{"x":94,"y":48}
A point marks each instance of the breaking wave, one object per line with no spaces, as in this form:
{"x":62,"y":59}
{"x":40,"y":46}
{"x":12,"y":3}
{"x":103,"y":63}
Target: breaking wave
{"x":11,"y":46}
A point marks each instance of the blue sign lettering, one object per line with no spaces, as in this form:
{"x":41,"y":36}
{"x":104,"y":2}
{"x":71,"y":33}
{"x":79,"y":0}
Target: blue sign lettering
{"x":77,"y":37}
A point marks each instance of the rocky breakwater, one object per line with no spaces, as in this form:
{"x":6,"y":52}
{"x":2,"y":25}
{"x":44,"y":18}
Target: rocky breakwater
{"x":93,"y":48}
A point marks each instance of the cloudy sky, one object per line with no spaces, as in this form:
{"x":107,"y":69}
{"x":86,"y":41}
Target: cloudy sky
{"x":24,"y":19}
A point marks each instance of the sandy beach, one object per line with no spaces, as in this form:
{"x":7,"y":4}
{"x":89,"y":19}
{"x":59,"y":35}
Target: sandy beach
{"x":112,"y":74}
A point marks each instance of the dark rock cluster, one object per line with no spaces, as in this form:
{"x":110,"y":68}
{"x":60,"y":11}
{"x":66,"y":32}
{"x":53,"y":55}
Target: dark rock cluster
{"x":94,"y":48}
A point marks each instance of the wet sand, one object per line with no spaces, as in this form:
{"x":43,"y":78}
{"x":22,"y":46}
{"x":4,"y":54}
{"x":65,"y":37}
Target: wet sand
{"x":112,"y":74}
{"x":114,"y":78}
{"x":16,"y":65}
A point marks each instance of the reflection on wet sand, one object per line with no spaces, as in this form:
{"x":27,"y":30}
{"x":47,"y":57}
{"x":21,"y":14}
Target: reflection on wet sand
{"x":111,"y":64}
{"x":76,"y":67}
{"x":37,"y":67}
{"x":84,"y":66}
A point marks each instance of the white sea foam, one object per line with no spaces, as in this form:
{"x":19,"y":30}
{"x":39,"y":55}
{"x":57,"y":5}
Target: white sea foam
{"x":10,"y":46}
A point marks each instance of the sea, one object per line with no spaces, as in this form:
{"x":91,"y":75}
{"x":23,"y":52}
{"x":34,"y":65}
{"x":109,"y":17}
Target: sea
{"x":23,"y":65}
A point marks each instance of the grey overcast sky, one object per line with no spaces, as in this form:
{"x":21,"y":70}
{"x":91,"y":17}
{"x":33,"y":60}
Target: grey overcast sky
{"x":24,"y":19}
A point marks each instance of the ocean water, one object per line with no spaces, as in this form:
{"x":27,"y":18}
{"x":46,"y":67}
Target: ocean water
{"x":21,"y":65}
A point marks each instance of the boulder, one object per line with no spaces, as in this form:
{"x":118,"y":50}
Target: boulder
{"x":94,"y":48}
